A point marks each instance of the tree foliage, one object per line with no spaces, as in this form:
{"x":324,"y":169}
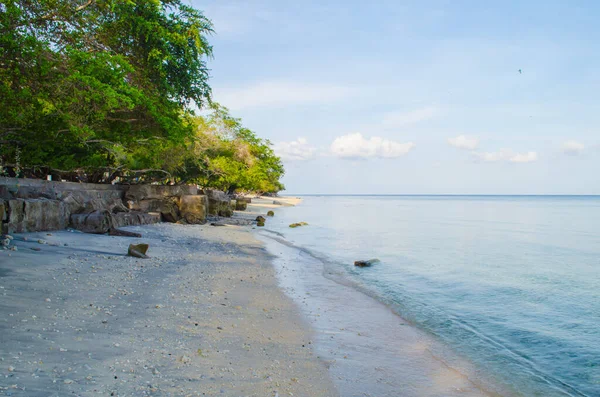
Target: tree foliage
{"x":223,"y":154}
{"x":107,"y":86}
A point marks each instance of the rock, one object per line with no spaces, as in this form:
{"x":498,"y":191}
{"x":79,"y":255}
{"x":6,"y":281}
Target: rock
{"x":235,"y":222}
{"x":260,"y":219}
{"x":218,"y":203}
{"x":137,"y":193}
{"x":217,"y":224}
{"x":270,"y":213}
{"x":193,"y":208}
{"x":68,"y":381}
{"x":294,"y":225}
{"x":124,"y":233}
{"x":260,"y":224}
{"x":138,"y":250}
{"x":94,"y":199}
{"x":11,"y":369}
{"x":366,"y":263}
{"x":240,"y":205}
{"x":275,"y":202}
{"x":34,"y":215}
{"x":97,"y":222}
{"x":135,"y":218}
{"x":226,"y":212}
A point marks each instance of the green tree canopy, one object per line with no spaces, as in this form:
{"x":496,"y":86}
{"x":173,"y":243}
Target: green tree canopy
{"x":103,"y":90}
{"x":86,"y":83}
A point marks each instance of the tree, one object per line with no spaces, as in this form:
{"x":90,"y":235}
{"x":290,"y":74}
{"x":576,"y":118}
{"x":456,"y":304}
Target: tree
{"x":225,"y":155}
{"x":94,"y":84}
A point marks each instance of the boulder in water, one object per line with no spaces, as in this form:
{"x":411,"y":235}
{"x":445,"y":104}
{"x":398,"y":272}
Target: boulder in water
{"x":270,"y":213}
{"x":294,"y":225}
{"x":366,"y":263}
{"x":260,"y":219}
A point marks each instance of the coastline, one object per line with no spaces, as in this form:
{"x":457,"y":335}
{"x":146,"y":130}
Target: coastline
{"x":203,"y":316}
{"x":369,"y":349}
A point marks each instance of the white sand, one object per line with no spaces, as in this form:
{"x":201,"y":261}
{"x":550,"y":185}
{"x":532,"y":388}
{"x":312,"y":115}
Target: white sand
{"x":202,"y":317}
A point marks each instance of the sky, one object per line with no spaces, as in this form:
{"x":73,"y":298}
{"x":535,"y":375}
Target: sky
{"x":416,"y":97}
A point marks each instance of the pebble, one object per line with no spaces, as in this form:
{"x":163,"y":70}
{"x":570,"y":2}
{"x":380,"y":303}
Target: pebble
{"x":11,"y":369}
{"x":68,"y":381}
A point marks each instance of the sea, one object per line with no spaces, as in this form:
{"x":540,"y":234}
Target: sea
{"x":503,"y":291}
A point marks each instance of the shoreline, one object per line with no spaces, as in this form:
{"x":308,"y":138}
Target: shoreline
{"x":370,"y":350}
{"x":203,"y":316}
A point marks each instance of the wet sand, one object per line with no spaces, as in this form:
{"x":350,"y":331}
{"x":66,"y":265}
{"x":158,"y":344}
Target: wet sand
{"x":204,"y":316}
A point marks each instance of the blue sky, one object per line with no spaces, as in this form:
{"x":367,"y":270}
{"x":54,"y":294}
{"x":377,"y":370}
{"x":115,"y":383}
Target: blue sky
{"x":411,"y":97}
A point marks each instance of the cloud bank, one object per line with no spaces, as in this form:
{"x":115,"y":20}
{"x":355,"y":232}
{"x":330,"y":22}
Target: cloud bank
{"x":297,"y":150}
{"x":464,"y":142}
{"x":356,"y":146}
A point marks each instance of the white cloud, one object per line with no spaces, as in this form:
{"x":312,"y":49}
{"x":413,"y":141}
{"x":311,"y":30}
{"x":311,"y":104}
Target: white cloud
{"x":506,"y":155}
{"x":276,"y":94}
{"x":464,"y":142}
{"x":295,"y":150}
{"x":573,"y":147}
{"x":356,"y":146}
{"x":396,"y":119}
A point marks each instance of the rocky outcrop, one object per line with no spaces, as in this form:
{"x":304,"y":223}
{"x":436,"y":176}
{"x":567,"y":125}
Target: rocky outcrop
{"x":240,"y":205}
{"x":193,"y":208}
{"x":135,"y":218}
{"x":36,"y":214}
{"x":29,"y":205}
{"x":161,"y":199}
{"x":218,"y":203}
{"x":103,"y":221}
{"x":97,"y":222}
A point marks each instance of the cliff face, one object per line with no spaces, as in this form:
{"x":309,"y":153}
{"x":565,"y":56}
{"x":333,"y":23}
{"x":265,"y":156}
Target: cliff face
{"x":29,"y":205}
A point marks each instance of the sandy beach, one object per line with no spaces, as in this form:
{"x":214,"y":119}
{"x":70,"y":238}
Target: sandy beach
{"x":203,"y":316}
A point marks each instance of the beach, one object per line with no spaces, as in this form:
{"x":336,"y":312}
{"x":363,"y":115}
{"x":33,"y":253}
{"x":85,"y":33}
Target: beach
{"x":237,"y":310}
{"x":203,"y":316}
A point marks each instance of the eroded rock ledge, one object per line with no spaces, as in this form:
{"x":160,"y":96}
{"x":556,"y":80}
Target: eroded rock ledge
{"x":31,"y":205}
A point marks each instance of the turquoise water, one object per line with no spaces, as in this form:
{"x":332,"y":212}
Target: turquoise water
{"x":510,"y":282}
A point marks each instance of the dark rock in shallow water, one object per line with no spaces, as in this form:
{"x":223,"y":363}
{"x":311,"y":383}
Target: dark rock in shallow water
{"x":217,"y":224}
{"x":294,"y":225}
{"x":366,"y":263}
{"x":270,"y":213}
{"x":260,"y":219}
{"x":260,"y":224}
